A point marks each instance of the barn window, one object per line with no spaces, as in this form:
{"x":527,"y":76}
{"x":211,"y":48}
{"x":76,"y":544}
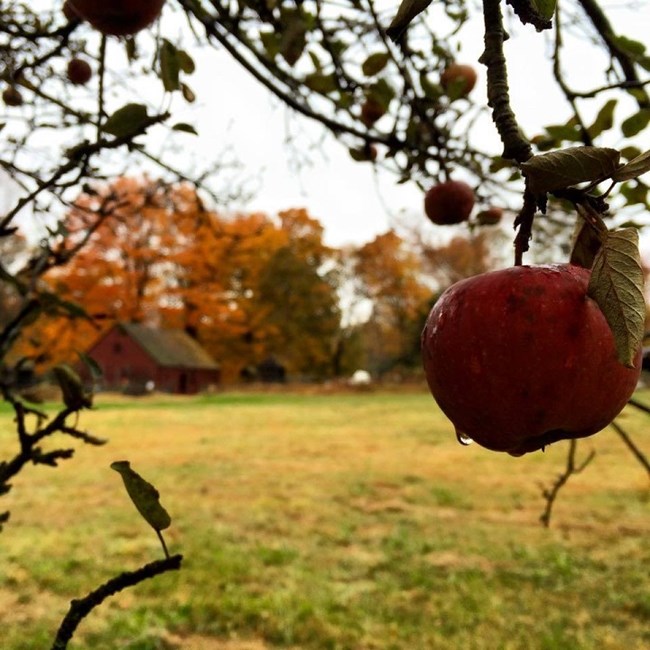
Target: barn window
{"x":117,"y":348}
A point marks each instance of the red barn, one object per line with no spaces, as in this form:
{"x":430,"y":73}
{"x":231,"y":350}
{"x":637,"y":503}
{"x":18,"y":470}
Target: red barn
{"x":133,"y":355}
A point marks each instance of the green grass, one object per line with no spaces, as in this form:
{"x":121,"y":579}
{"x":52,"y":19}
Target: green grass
{"x":327,"y":522}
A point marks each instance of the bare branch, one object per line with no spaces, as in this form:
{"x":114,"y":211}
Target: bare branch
{"x":79,"y":609}
{"x":550,"y":494}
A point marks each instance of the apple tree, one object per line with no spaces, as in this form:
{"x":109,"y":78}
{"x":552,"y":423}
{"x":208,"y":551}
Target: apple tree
{"x":91,"y":88}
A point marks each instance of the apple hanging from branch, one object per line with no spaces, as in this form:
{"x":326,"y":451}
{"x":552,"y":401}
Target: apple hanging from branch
{"x":523,"y":357}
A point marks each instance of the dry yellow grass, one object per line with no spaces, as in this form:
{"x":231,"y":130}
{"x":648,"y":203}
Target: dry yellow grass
{"x":341,"y":521}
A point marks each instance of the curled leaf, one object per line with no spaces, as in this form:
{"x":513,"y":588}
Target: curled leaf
{"x":145,"y":497}
{"x":616,"y":284}
{"x":545,"y":8}
{"x":633,"y":169}
{"x":561,"y":169}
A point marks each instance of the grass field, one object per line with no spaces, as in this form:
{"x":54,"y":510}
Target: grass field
{"x":327,"y":522}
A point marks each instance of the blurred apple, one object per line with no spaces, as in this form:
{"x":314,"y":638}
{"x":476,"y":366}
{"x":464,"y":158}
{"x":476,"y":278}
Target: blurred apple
{"x":458,"y":79}
{"x":449,"y":203}
{"x":79,"y":71}
{"x":116,"y":17}
{"x":11,"y":96}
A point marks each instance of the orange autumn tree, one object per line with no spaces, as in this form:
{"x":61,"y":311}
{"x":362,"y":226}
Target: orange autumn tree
{"x":390,"y":275}
{"x":254,"y":287}
{"x":461,"y":257}
{"x":156,"y":255}
{"x":121,"y":273}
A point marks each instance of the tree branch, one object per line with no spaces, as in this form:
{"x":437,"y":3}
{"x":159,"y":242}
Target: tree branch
{"x":515,"y":145}
{"x":605,"y":31}
{"x":550,"y":494}
{"x":638,"y":454}
{"x":80,"y":608}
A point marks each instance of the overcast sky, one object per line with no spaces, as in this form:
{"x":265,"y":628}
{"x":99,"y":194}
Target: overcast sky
{"x":356,"y":201}
{"x":353,"y":200}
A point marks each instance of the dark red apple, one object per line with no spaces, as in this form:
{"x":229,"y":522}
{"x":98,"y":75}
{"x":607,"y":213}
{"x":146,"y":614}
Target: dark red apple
{"x":117,"y":17}
{"x":371,"y":111}
{"x":79,"y":71}
{"x":11,"y":96}
{"x":458,"y":79}
{"x":449,"y":203}
{"x":520,"y":358}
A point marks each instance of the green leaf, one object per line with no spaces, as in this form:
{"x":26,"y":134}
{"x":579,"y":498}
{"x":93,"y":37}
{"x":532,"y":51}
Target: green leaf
{"x":430,"y":89}
{"x":145,"y":497}
{"x":628,"y":153}
{"x":381,"y":92}
{"x":604,"y":120}
{"x":188,"y":93}
{"x":185,"y":61}
{"x":318,"y":66}
{"x":375,"y":63}
{"x":293,"y":37}
{"x":185,"y":128}
{"x":271,"y":42}
{"x":636,"y":123}
{"x":564,"y":133}
{"x":635,"y":49}
{"x":321,"y":83}
{"x":561,"y":169}
{"x":126,"y":120}
{"x":635,"y":168}
{"x":616,"y":284}
{"x":635,"y":193}
{"x":169,"y":66}
{"x":545,"y":8}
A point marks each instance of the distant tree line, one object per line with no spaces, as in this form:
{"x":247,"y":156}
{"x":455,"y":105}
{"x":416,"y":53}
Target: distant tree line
{"x":247,"y":285}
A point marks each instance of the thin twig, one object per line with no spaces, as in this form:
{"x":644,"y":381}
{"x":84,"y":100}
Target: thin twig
{"x":550,"y":494}
{"x":638,"y":454}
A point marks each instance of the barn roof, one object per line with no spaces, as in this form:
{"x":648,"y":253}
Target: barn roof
{"x":172,"y":348}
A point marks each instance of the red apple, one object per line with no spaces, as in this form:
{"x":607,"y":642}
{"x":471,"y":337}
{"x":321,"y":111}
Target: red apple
{"x":117,"y":17}
{"x":371,"y":111}
{"x":520,"y":358}
{"x":458,"y":79}
{"x":449,"y":203}
{"x":11,"y":96}
{"x":489,"y":217}
{"x":79,"y":71}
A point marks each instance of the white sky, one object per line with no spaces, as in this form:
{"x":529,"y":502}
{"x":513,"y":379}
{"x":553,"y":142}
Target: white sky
{"x":353,"y":200}
{"x":356,"y":201}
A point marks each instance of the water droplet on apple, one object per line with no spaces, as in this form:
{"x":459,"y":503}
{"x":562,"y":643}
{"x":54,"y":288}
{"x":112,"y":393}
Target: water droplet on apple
{"x":463,"y":438}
